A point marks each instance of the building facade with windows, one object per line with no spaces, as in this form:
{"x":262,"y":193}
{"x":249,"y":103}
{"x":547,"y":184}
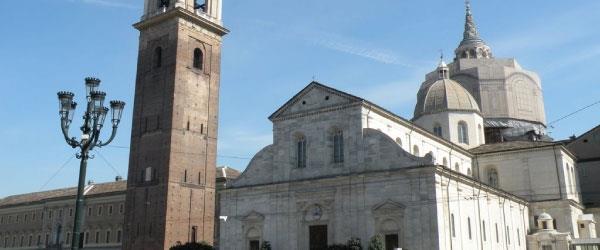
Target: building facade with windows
{"x":44,"y":220}
{"x":473,"y":169}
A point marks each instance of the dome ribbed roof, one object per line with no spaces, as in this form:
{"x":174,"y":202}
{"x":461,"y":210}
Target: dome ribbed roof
{"x":444,"y":95}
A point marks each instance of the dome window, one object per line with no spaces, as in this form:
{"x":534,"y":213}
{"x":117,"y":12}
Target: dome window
{"x":463,"y":132}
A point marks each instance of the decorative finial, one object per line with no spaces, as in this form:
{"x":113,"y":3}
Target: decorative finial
{"x":468,"y":5}
{"x":470,"y":27}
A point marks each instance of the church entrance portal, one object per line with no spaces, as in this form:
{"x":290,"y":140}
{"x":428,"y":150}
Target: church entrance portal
{"x":318,"y":237}
{"x":254,"y":245}
{"x":391,"y":241}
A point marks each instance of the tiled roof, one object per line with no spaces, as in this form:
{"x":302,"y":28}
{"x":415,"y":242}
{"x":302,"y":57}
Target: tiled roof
{"x":93,"y":189}
{"x":510,"y":146}
{"x":227,"y":172}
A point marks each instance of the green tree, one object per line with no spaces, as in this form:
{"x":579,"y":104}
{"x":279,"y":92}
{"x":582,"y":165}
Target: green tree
{"x":376,"y":242}
{"x":265,"y":245}
{"x":193,"y":246}
{"x":354,"y":244}
{"x":337,"y":247}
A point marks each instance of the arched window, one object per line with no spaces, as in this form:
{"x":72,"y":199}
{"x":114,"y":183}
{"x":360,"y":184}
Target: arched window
{"x":148,"y":174}
{"x":437,"y":130}
{"x":157,"y":57}
{"x":469,"y":171}
{"x":493,"y":177}
{"x":301,"y":151}
{"x":399,"y":141}
{"x":457,"y":167}
{"x":163,"y":3}
{"x":463,"y":132}
{"x":338,"y":146}
{"x":194,"y":234}
{"x":480,"y":133}
{"x":416,"y":150}
{"x":445,"y":162}
{"x":198,"y":58}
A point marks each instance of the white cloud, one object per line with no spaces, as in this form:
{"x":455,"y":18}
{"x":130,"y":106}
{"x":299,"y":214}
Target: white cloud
{"x":345,"y":45}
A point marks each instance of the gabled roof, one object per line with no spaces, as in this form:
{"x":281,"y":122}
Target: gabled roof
{"x":352,"y":99}
{"x":568,"y":142}
{"x":281,"y":112}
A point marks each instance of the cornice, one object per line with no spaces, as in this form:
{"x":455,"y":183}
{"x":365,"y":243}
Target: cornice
{"x":185,"y":14}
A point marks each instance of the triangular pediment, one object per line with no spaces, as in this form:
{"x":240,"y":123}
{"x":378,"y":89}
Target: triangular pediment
{"x":388,"y":206}
{"x":253,"y":217}
{"x":314,"y":97}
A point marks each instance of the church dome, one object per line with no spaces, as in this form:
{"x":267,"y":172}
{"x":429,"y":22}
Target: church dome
{"x":443,"y":95}
{"x":544,"y":217}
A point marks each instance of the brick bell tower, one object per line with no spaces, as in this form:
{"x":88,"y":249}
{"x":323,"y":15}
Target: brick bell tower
{"x":171,"y":181}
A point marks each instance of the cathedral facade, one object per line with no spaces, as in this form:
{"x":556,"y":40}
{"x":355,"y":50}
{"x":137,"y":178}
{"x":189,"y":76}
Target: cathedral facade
{"x":473,"y":169}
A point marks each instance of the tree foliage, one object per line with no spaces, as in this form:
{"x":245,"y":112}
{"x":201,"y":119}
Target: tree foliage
{"x":265,"y":245}
{"x":354,"y":244}
{"x":193,"y":246}
{"x":376,"y":243}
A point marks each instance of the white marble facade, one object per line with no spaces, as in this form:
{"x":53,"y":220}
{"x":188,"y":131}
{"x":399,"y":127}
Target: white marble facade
{"x":378,"y":188}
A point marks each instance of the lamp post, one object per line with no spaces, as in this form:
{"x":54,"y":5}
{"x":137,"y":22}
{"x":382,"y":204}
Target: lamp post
{"x":93,"y":121}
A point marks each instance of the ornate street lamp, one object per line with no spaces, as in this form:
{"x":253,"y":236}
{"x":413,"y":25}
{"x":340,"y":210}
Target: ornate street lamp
{"x":93,"y":121}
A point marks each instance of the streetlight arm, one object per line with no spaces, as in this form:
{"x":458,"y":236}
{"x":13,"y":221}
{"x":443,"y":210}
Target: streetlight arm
{"x":65,"y":130}
{"x":112,"y":136}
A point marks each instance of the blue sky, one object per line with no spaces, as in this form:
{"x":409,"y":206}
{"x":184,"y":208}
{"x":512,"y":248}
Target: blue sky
{"x":379,"y":50}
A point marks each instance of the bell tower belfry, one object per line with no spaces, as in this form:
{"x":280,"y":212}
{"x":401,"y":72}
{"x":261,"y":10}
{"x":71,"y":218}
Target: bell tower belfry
{"x":171,"y":181}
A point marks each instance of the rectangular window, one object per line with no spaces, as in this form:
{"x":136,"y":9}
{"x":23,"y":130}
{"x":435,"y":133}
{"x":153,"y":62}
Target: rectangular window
{"x":68,"y":239}
{"x":89,"y":211}
{"x":452,"y":228}
{"x":469,"y":227}
{"x":97,"y":237}
{"x":47,"y":241}
{"x":107,"y":236}
{"x":338,"y":147}
{"x":121,"y":208}
{"x":301,"y":153}
{"x":87,"y":237}
{"x":119,"y":236}
{"x":110,"y":210}
{"x":99,"y":210}
{"x":508,"y":235}
{"x":546,"y":247}
{"x":497,"y":236}
{"x":39,"y":240}
{"x":30,"y":241}
{"x":518,"y":237}
{"x":70,"y":212}
{"x":483,"y":229}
